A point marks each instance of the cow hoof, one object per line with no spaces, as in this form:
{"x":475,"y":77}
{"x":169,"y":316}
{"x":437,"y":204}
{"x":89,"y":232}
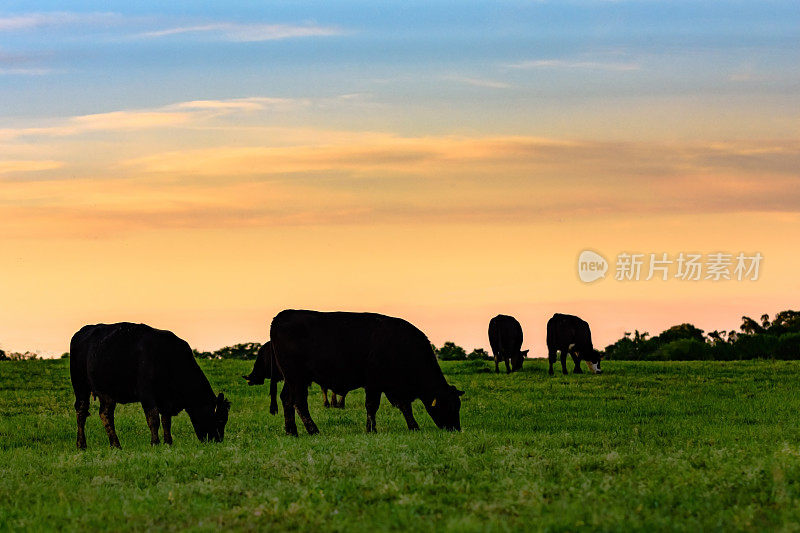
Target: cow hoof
{"x":550,"y":372}
{"x":273,"y":411}
{"x":291,"y":432}
{"x":326,"y":404}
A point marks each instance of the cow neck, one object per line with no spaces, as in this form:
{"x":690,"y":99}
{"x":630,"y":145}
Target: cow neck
{"x":433,"y":386}
{"x":199,"y":393}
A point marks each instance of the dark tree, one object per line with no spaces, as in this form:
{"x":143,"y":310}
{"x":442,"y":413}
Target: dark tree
{"x":450,"y":351}
{"x":479,"y":354}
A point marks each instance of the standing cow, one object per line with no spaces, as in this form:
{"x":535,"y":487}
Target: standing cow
{"x":570,"y":334}
{"x":263,"y":368}
{"x":505,"y":337}
{"x":347,"y":351}
{"x":125,"y":363}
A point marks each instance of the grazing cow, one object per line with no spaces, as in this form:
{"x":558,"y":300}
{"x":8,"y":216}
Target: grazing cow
{"x":505,"y":337}
{"x":263,"y":368}
{"x":125,"y":363}
{"x":347,"y":351}
{"x":570,"y":334}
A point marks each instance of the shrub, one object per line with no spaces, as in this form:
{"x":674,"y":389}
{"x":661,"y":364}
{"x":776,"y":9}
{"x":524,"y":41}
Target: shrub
{"x":245,"y":350}
{"x":681,"y":331}
{"x":722,"y":351}
{"x":450,"y":351}
{"x":756,"y":346}
{"x":788,"y":346}
{"x":478,"y":354}
{"x":631,"y":347}
{"x":682,"y":350}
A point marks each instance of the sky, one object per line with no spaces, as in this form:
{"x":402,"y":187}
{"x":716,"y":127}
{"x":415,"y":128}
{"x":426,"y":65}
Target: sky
{"x":199,"y":166}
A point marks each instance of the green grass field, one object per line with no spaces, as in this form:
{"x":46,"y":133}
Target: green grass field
{"x":645,"y":446}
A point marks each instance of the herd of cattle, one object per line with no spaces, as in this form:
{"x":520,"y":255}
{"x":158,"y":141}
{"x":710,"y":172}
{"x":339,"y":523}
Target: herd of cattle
{"x":126,"y":363}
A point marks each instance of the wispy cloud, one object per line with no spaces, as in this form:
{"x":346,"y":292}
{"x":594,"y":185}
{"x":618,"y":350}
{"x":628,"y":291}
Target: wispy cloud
{"x":23,"y":64}
{"x":563,"y":64}
{"x":479,"y":82}
{"x":147,"y":27}
{"x":26,"y":71}
{"x":343,"y":178}
{"x":255,"y":103}
{"x":29,"y":21}
{"x":179,"y":114}
{"x":8,"y":167}
{"x":239,"y":32}
{"x":113,"y":121}
{"x":443,"y":155}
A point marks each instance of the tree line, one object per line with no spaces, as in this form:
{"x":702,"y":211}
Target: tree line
{"x":778,"y":338}
{"x":450,"y":351}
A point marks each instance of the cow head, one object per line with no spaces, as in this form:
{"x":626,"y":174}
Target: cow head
{"x":259,"y":372}
{"x":258,"y":375}
{"x":517,"y":359}
{"x":445,"y":408}
{"x":209,"y":422}
{"x":592,"y":358}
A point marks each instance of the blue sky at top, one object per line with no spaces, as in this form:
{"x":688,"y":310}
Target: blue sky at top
{"x":87,"y":57}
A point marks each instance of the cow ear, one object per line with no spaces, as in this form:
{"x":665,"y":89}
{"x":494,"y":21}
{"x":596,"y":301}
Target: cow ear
{"x":524,"y":352}
{"x":460,"y":392}
{"x":433,"y":403}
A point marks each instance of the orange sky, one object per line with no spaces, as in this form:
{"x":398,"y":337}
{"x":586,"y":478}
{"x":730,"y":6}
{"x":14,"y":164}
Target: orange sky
{"x":201,"y":174}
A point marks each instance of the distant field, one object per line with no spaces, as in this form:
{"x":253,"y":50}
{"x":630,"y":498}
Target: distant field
{"x":646,"y":446}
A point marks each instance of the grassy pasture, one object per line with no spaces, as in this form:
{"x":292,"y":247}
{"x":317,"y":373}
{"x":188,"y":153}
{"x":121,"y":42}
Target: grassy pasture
{"x":646,"y":446}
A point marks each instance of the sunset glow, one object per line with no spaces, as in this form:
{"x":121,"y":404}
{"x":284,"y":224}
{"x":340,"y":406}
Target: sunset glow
{"x":200,"y":169}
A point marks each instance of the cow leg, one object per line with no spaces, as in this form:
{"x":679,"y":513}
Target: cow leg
{"x":301,"y":404}
{"x":166,"y":424}
{"x":325,"y":401}
{"x":373,"y":401}
{"x":107,"y":406}
{"x":289,"y":423}
{"x":563,"y":362}
{"x":508,"y":367}
{"x":409,"y":416}
{"x":496,"y":364}
{"x":151,"y":414}
{"x":552,"y":357}
{"x":577,"y":361}
{"x":273,"y":390}
{"x":81,"y":412}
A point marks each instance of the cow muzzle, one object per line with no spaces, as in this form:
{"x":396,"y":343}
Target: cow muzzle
{"x":594,"y":368}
